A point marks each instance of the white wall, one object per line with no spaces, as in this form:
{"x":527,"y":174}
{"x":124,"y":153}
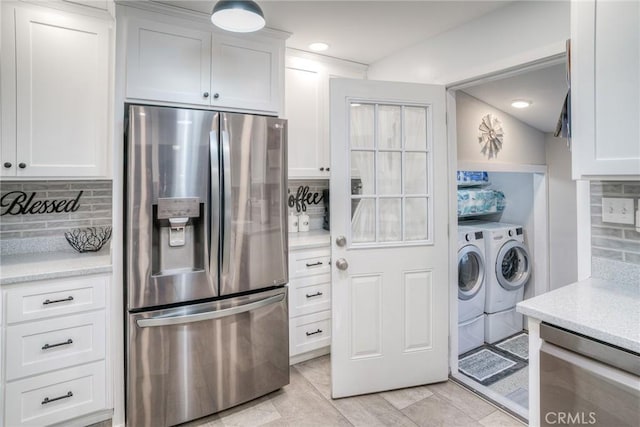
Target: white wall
{"x":515,"y":34}
{"x":522,"y":144}
{"x":563,"y":250}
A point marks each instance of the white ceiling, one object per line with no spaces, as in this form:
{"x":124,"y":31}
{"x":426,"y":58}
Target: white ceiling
{"x":361,"y":31}
{"x":366,"y":31}
{"x":546,"y":88}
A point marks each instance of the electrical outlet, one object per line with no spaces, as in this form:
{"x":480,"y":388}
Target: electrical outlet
{"x":617,"y":210}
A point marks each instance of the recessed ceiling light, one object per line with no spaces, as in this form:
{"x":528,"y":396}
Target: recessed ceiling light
{"x":521,"y":103}
{"x":318,"y":47}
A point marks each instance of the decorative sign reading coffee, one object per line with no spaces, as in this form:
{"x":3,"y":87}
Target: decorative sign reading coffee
{"x":19,"y":203}
{"x":303,"y":198}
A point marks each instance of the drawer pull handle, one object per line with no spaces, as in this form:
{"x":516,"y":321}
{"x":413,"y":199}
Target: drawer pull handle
{"x":314,"y":264}
{"x":48,"y":346}
{"x":55,"y":301}
{"x":66,"y":396}
{"x":319,"y":331}
{"x":317,"y":294}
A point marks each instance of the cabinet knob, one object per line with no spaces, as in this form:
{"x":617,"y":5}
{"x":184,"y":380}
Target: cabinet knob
{"x":7,"y":165}
{"x":322,"y":169}
{"x":216,"y":95}
{"x":328,"y":169}
{"x":206,"y":94}
{"x":22,"y":165}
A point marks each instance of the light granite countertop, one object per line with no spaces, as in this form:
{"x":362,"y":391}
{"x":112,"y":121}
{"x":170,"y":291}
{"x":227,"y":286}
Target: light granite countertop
{"x":21,"y":268}
{"x":309,"y":239}
{"x":604,"y":310}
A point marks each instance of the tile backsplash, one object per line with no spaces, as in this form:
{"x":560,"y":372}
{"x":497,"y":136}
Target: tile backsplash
{"x":315,"y":211}
{"x":93,"y":207}
{"x":615,"y":248}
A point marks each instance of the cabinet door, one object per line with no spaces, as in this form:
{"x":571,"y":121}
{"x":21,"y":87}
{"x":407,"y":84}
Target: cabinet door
{"x":246,"y":74}
{"x":167,"y":63}
{"x":308,"y":151}
{"x":62,"y":85}
{"x":605,"y":83}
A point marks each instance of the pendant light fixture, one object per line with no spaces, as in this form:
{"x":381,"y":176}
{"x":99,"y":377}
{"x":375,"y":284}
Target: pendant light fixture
{"x":238,"y":16}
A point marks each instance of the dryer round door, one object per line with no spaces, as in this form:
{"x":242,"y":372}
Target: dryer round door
{"x":470,"y":272}
{"x":512,"y":265}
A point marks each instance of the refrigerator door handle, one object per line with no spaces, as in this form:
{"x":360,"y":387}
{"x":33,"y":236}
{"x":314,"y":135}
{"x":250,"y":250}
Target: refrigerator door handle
{"x":226,"y":180}
{"x":209,"y":315}
{"x":214,"y":209}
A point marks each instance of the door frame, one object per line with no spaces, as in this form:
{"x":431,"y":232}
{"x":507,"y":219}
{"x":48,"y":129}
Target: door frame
{"x":541,"y":219}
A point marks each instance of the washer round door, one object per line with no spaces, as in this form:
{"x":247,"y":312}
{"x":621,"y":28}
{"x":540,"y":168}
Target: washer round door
{"x":470,"y":272}
{"x":512,"y":265}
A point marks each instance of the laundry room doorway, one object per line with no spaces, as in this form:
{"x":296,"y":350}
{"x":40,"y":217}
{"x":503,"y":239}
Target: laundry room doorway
{"x":513,"y":179}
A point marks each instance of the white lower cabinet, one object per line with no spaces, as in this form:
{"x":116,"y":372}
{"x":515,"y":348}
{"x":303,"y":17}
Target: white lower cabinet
{"x":54,"y":350}
{"x":57,"y":396}
{"x":309,"y":303}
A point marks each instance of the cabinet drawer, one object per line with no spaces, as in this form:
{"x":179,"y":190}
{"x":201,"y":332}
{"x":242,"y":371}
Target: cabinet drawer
{"x":309,"y":332}
{"x":46,"y":345}
{"x":57,"y":396}
{"x":55,"y":298}
{"x":307,"y":263}
{"x":310,"y":295}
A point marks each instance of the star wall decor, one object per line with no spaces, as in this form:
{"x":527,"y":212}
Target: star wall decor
{"x":491,"y":136}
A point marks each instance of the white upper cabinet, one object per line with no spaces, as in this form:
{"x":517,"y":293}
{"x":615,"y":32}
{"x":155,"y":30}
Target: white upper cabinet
{"x":605,"y":88}
{"x":173,"y":60}
{"x":168,"y":63}
{"x":246,"y":74}
{"x":307,"y":79}
{"x":62,"y":84}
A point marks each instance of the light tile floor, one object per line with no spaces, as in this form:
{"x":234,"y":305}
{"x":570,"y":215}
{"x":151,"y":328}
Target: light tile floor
{"x":306,"y":401}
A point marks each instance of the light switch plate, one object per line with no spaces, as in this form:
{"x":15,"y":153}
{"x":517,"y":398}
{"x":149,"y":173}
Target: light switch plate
{"x":617,"y":210}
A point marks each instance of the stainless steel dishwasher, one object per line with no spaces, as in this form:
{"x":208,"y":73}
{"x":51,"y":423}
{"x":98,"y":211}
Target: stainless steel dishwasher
{"x":587,"y":382}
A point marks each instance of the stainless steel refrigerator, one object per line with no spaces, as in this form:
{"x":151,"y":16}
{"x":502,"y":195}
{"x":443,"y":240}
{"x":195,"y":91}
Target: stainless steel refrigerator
{"x":206,"y":262}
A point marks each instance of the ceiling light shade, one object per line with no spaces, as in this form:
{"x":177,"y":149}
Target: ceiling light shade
{"x":238,"y":16}
{"x":318,"y":46}
{"x":521,"y":103}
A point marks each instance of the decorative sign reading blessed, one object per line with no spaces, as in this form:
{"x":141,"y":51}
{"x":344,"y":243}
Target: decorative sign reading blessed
{"x":303,"y":198}
{"x":19,"y":203}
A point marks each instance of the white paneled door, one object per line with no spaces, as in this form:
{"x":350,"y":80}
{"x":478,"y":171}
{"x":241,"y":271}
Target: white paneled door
{"x":389,"y":236}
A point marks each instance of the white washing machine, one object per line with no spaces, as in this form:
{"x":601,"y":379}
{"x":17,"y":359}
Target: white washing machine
{"x":471,"y":288}
{"x":508,"y":270}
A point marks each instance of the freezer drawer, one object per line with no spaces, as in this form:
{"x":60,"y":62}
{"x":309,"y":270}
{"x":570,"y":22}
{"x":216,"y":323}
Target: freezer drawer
{"x":188,"y":362}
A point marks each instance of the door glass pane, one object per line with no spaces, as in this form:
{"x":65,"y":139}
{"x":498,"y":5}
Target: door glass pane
{"x":361,"y":125}
{"x":389,"y":127}
{"x":390,"y":220}
{"x":363,"y":220}
{"x":468,"y":271}
{"x":514,"y":265}
{"x":390,"y":173}
{"x":362,"y":172}
{"x":415,"y":173}
{"x":415,"y":128}
{"x":416,"y":218}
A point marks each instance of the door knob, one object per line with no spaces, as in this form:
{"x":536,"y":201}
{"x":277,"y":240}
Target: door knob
{"x":341,"y":241}
{"x":342,"y":264}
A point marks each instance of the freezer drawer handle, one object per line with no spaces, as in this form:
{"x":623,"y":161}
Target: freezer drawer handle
{"x":48,"y":346}
{"x":317,"y":294}
{"x":314,"y":264}
{"x":209,"y":315}
{"x":47,"y":400}
{"x":319,"y":331}
{"x":55,"y":301}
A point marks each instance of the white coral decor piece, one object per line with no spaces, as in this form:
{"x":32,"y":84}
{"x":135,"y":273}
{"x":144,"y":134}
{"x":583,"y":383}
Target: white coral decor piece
{"x":491,"y":135}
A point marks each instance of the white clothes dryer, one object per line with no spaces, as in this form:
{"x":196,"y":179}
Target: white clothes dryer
{"x":471,"y":273}
{"x":508,"y":271}
{"x":471,"y":288}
